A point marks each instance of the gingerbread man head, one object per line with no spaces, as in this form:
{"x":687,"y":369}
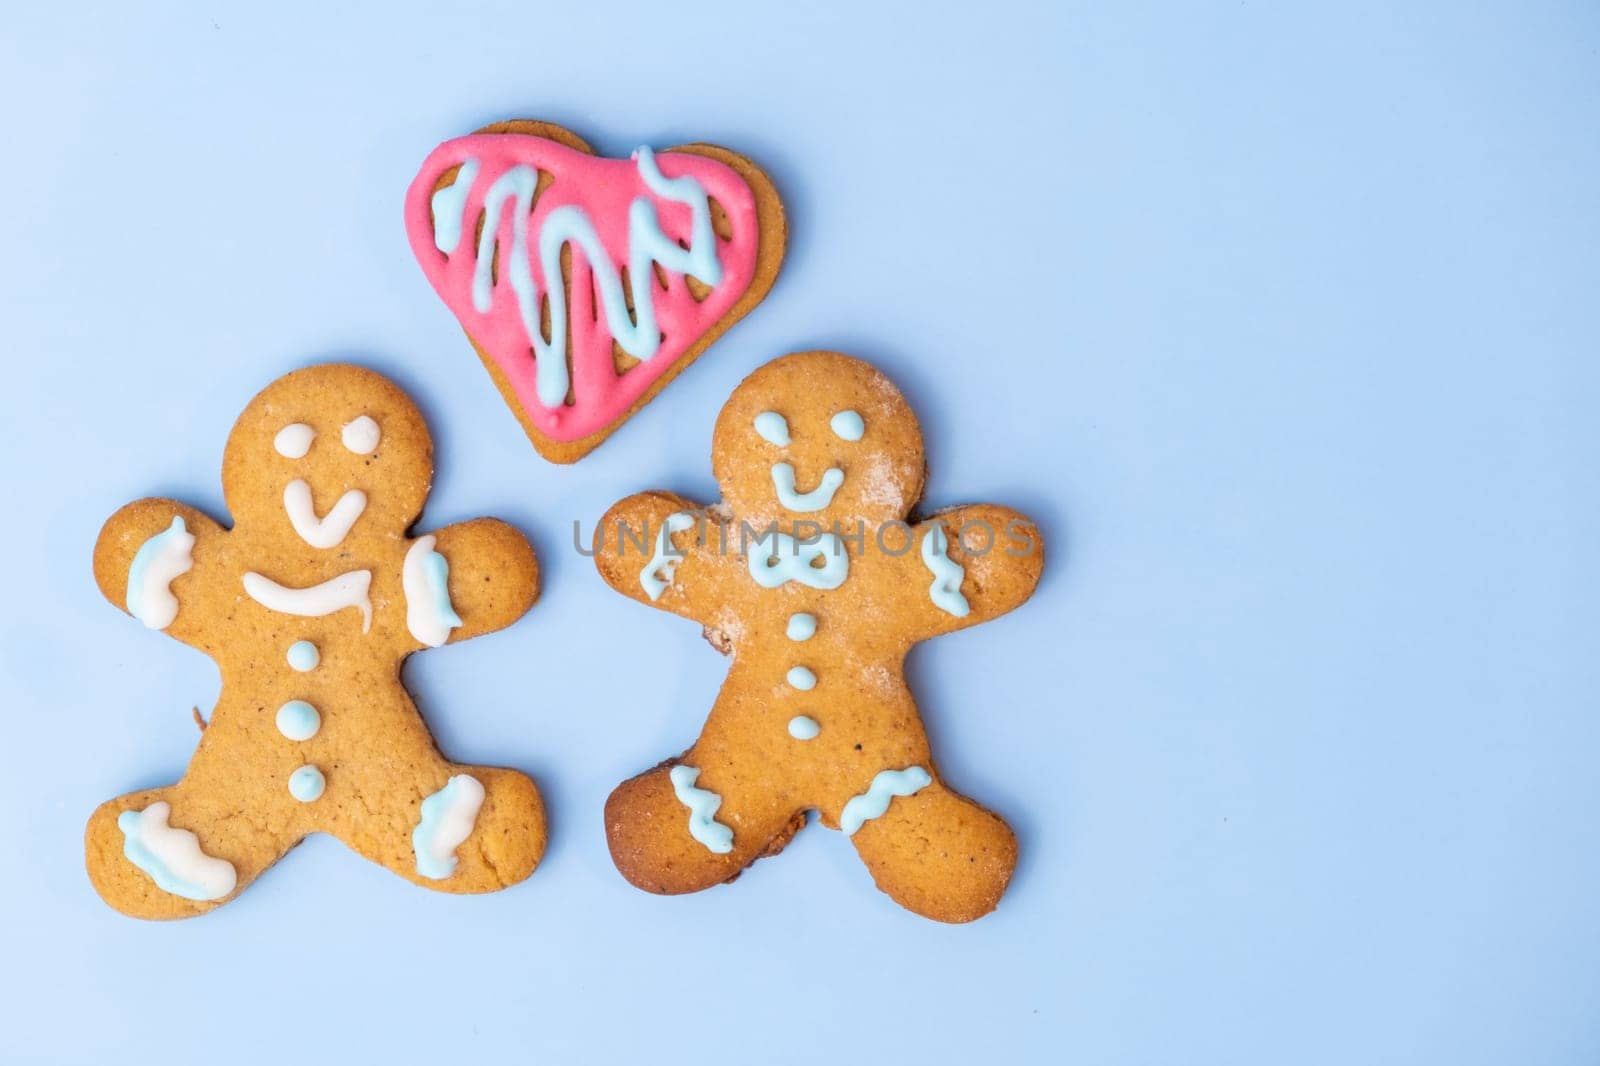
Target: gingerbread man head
{"x":818,"y":437}
{"x":309,"y":604}
{"x":337,"y":430}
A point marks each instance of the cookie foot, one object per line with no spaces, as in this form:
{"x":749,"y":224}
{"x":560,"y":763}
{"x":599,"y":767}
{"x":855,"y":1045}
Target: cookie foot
{"x":475,"y":829}
{"x":144,"y":862}
{"x":939,"y":854}
{"x":648,"y":828}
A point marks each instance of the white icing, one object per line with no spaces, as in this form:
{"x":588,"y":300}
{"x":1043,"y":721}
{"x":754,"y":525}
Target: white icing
{"x":329,"y":530}
{"x":429,"y":614}
{"x":361,"y":435}
{"x":172,"y":856}
{"x":335,"y":594}
{"x":159,"y":561}
{"x":294,"y":440}
{"x":447,"y":820}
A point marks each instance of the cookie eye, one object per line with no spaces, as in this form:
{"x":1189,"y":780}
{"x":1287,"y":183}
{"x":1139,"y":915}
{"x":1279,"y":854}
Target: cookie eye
{"x":361,"y":436}
{"x":294,"y":440}
{"x":772,"y":426}
{"x":847,"y":425}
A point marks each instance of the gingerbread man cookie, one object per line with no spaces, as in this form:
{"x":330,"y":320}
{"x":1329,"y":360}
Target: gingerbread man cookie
{"x":587,"y":284}
{"x":309,"y":604}
{"x":809,"y":576}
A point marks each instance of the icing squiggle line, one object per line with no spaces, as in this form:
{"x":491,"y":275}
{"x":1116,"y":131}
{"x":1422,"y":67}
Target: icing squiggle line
{"x":777,"y":557}
{"x":335,"y":594}
{"x":947,"y":574}
{"x":875,"y":800}
{"x":657,"y":573}
{"x":568,"y":224}
{"x":329,"y":530}
{"x":157,"y":563}
{"x":172,"y":857}
{"x":816,"y":499}
{"x":447,"y":205}
{"x":425,"y":579}
{"x":650,"y":215}
{"x":448,"y":817}
{"x":702,"y":804}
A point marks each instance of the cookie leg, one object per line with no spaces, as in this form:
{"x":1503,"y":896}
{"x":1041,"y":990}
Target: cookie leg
{"x":939,"y":854}
{"x":452,"y":828}
{"x":172,"y":853}
{"x":665,"y":837}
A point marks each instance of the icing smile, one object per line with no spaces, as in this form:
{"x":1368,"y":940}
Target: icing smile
{"x":815,"y":500}
{"x":329,"y":530}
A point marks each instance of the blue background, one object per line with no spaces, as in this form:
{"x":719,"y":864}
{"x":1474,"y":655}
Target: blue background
{"x":1282,"y":323}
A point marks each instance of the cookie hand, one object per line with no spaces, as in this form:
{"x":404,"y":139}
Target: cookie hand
{"x":968,"y":565}
{"x":154,"y":554}
{"x":667,"y":552}
{"x":466,"y":580}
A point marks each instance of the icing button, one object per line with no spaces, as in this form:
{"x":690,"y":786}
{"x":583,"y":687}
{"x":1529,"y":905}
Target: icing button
{"x":298,"y":720}
{"x":802,"y":727}
{"x":307,"y":783}
{"x":303,"y":656}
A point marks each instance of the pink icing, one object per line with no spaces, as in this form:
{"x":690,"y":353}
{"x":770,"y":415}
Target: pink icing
{"x":602,"y":189}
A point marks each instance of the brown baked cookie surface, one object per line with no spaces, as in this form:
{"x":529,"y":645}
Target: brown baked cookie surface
{"x":809,"y":575}
{"x":587,"y":284}
{"x":309,"y":605}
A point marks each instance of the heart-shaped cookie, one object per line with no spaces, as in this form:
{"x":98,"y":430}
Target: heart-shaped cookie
{"x":586,"y":284}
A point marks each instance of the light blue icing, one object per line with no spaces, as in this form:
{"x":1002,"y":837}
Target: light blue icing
{"x":303,"y":655}
{"x":801,"y":678}
{"x":803,"y":728}
{"x":145,"y":859}
{"x":567,"y":224}
{"x":816,"y":499}
{"x":773,"y":428}
{"x":306,"y":784}
{"x":436,"y":576}
{"x":777,"y":557}
{"x":298,"y":720}
{"x":875,"y":800}
{"x":157,"y":547}
{"x":436,"y":809}
{"x":702,"y":804}
{"x":657,"y":573}
{"x":847,"y":425}
{"x":448,"y":203}
{"x":947,"y":574}
{"x":801,"y":626}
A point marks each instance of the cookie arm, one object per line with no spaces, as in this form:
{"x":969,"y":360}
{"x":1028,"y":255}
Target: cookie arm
{"x":1000,"y":556}
{"x":493,"y":575}
{"x":173,"y":554}
{"x":688,"y":575}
